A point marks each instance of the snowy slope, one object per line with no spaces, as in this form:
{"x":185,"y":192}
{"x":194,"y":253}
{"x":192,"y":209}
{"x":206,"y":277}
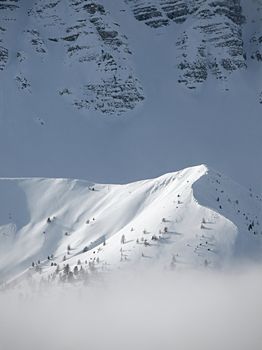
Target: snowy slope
{"x":92,"y":89}
{"x":190,"y":218}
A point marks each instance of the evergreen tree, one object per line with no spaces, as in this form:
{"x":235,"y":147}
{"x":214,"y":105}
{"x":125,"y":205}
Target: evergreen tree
{"x":123,"y":239}
{"x":66,"y":269}
{"x":70,"y":276}
{"x":75,"y":270}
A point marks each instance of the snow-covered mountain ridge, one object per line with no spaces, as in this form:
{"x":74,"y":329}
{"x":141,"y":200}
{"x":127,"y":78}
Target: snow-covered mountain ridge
{"x":190,"y":218}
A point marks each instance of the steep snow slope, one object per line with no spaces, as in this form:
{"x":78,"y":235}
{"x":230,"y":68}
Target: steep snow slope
{"x":190,"y":218}
{"x":85,"y":83}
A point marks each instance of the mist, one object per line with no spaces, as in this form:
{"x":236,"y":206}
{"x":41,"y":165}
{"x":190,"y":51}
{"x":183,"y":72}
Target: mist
{"x":198,"y":310}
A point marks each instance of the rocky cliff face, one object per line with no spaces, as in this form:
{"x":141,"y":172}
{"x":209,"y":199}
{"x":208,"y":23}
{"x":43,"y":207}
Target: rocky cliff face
{"x":7,"y":15}
{"x":256,"y":38}
{"x":255,"y":41}
{"x":160,"y":13}
{"x":117,"y":89}
{"x":211,"y":40}
{"x":219,"y":49}
{"x":209,"y":36}
{"x":88,"y":39}
{"x":3,"y":57}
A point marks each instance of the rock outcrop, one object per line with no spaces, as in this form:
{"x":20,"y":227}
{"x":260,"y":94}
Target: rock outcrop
{"x":115,"y":89}
{"x":7,"y":16}
{"x":88,"y":40}
{"x":211,"y":42}
{"x":3,"y":57}
{"x":161,"y":13}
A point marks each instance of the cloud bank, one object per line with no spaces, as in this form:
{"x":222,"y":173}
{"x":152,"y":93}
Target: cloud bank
{"x":198,"y":310}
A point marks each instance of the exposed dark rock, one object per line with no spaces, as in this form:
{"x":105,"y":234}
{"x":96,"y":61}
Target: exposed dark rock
{"x":219,"y":49}
{"x":114,"y":96}
{"x":211,"y":42}
{"x":3,"y":57}
{"x":256,"y":47}
{"x":10,"y":7}
{"x":7,"y":14}
{"x":94,"y":8}
{"x":161,"y":13}
{"x":22,"y":82}
{"x":36,"y":41}
{"x":115,"y":89}
{"x":176,"y":10}
{"x":71,"y":37}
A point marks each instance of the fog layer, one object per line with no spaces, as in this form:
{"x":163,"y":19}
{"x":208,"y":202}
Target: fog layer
{"x":167,"y":310}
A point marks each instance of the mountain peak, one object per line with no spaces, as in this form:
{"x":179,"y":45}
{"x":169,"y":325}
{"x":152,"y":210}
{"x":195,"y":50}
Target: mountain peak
{"x":192,"y":216}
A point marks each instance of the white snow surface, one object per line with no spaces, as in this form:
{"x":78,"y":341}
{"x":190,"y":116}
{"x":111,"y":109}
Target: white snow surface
{"x":206,"y":217}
